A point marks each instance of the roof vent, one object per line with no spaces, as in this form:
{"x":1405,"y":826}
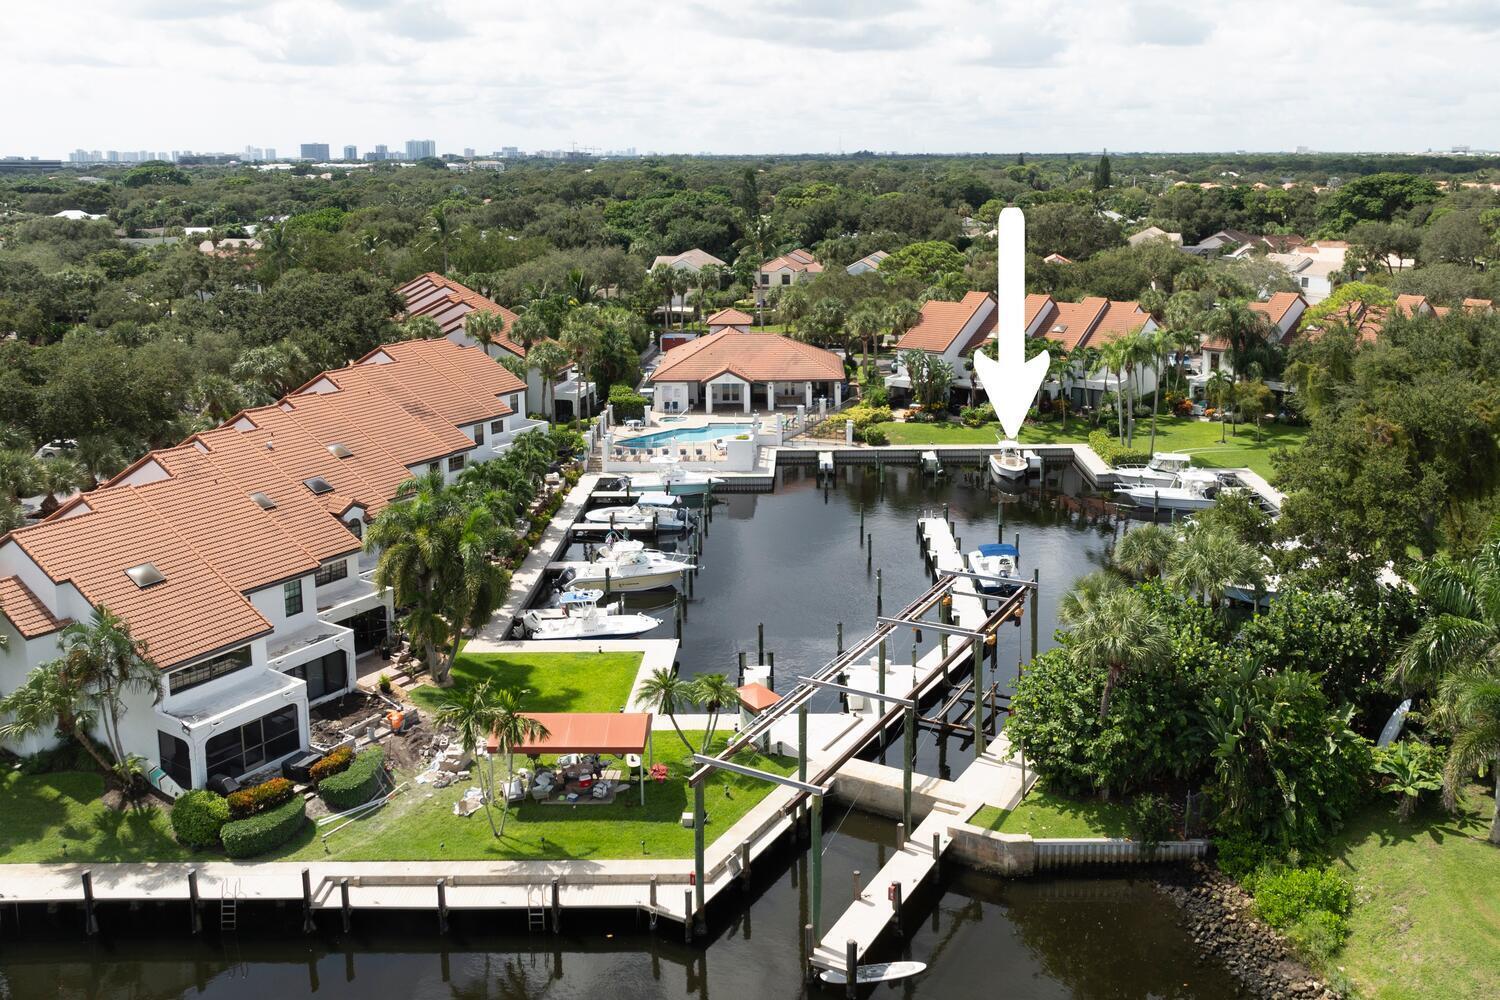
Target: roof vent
{"x":339,"y":451}
{"x":266,"y":503}
{"x":318,"y":485}
{"x":145,"y":575}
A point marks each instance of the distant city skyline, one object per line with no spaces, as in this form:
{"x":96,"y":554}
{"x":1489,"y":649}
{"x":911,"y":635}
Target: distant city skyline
{"x":787,"y":76}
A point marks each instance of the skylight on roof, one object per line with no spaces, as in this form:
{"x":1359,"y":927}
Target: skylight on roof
{"x":145,"y":575}
{"x":318,"y":485}
{"x":266,"y":503}
{"x":339,"y":451}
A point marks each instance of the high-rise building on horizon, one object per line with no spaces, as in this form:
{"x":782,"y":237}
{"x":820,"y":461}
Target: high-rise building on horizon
{"x":468,"y":152}
{"x":382,"y":152}
{"x":314,"y":151}
{"x":417,"y":149}
{"x":351,"y":153}
{"x":270,"y":153}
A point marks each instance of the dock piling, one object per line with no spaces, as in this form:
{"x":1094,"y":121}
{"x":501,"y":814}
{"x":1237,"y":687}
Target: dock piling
{"x":442,"y":909}
{"x":195,"y":913}
{"x":742,"y":668}
{"x":687,"y":915}
{"x":307,"y":916}
{"x":90,"y":924}
{"x":556,"y":889}
{"x":745,"y":860}
{"x":840,"y":632}
{"x":879,"y":595}
{"x":760,"y":644}
{"x":851,"y":968}
{"x":771,"y":670}
{"x":344,"y":902}
{"x":896,"y":905}
{"x":870,"y":552}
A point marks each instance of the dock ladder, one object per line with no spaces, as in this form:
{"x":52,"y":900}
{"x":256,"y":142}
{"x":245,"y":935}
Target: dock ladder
{"x":536,"y":913}
{"x":229,"y":905}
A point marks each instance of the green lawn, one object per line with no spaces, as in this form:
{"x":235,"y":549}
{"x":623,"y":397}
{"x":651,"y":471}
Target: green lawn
{"x":553,"y":682}
{"x":1196,"y":437}
{"x":61,"y":817}
{"x":420,"y":824}
{"x":1045,"y":814}
{"x":1426,"y":921}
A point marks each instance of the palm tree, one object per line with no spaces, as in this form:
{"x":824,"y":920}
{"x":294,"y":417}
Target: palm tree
{"x":665,"y":692}
{"x":582,"y":334}
{"x":420,"y":328}
{"x":1219,"y":388}
{"x":1113,"y":357}
{"x":1085,"y":595}
{"x":710,"y":277}
{"x":1121,"y":632}
{"x":436,"y":554}
{"x":1144,"y":552}
{"x":901,"y":316}
{"x":481,"y":712}
{"x":101,"y":457}
{"x":51,"y":700}
{"x":1139,"y":352}
{"x":218,"y":398}
{"x":109,"y":664}
{"x":1245,"y":330}
{"x":276,"y":251}
{"x":714,"y":692}
{"x":19,"y":473}
{"x":442,"y":228}
{"x":791,"y":306}
{"x":1209,"y":561}
{"x":662,"y":279}
{"x":548,"y":358}
{"x":484,"y":328}
{"x":529,"y":328}
{"x":1161,"y":345}
{"x":59,"y":475}
{"x":1468,"y":704}
{"x":866,"y":323}
{"x":1059,"y":364}
{"x":682,"y":283}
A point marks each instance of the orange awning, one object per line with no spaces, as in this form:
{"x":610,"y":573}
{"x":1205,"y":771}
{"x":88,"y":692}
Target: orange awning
{"x":588,"y":732}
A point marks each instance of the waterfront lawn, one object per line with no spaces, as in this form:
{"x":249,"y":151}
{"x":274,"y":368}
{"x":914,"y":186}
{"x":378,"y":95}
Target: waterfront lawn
{"x":1047,"y":814}
{"x":1426,"y":920}
{"x":1198,"y":438}
{"x":420,"y":825}
{"x":553,"y":682}
{"x":62,"y":817}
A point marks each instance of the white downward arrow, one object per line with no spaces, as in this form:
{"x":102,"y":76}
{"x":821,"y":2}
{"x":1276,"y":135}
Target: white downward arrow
{"x":1011,"y":382}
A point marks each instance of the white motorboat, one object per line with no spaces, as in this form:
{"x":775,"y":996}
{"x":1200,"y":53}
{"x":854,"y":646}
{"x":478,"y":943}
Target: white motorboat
{"x":1008,"y":462}
{"x":884,"y":972}
{"x":998,"y":563}
{"x":1162,"y":470}
{"x":578,"y":616}
{"x":660,"y":510}
{"x":627,"y":565}
{"x":930,"y":463}
{"x":1193,"y":489}
{"x":673,"y":479}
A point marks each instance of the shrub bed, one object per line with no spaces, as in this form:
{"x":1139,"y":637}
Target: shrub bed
{"x":1113,"y":452}
{"x":258,"y":798}
{"x":356,"y":784}
{"x":336,"y":761}
{"x":198,"y":817}
{"x":246,"y":838}
{"x":1311,"y":905}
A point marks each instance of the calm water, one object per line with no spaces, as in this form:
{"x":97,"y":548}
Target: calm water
{"x":799,"y":568}
{"x":982,"y":937}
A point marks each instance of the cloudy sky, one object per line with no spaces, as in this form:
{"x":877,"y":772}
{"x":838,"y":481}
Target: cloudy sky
{"x":765,"y":76}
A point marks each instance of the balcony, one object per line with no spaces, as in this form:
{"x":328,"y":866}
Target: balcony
{"x":351,"y":595}
{"x":307,"y":643}
{"x":519,"y":425}
{"x":244,"y":695}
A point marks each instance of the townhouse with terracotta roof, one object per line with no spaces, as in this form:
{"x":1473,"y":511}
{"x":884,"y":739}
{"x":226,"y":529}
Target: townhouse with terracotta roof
{"x":954,"y":330}
{"x":447,"y":302}
{"x":1283,"y":311}
{"x":746,"y":372}
{"x":779,"y":272}
{"x":1367,"y":321}
{"x":729,"y":319}
{"x":236,"y":555}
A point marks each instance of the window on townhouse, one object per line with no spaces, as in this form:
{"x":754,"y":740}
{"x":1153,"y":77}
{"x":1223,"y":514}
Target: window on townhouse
{"x":786,"y":279}
{"x":328,"y":674}
{"x":765,"y":279}
{"x":455,"y":463}
{"x":1304,"y":282}
{"x":292,"y":596}
{"x":1213,"y":362}
{"x":331,"y":572}
{"x":175,"y":758}
{"x":356,"y":527}
{"x":434,"y":466}
{"x":497,"y":426}
{"x":479,"y":433}
{"x":245,"y":748}
{"x":201,"y":673}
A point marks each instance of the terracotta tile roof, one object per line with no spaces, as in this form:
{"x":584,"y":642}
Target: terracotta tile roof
{"x":729,"y":317}
{"x":1277,"y":306}
{"x":1036,"y":303}
{"x":1411,"y":305}
{"x":794,"y":260}
{"x":940,"y":323}
{"x":1480,"y":304}
{"x":194,"y":611}
{"x":1093,"y":322}
{"x":448,"y":302}
{"x":28,"y":614}
{"x":756,"y":357}
{"x":1056,"y":258}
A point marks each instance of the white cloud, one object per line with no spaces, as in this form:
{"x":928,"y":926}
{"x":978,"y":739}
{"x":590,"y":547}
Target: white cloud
{"x":779,"y":75}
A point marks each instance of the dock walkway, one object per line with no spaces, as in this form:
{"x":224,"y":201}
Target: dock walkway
{"x":533,"y":570}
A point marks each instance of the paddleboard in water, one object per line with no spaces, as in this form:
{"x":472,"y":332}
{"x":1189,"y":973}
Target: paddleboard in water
{"x":882,"y":973}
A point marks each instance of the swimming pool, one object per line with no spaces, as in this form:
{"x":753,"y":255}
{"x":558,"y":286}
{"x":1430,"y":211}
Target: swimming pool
{"x":709,"y":432}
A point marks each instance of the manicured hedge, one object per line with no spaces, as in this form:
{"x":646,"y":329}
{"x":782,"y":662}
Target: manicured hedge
{"x":332,"y":764}
{"x":357,"y":784}
{"x":1113,"y":452}
{"x":198,"y":816}
{"x":246,"y":838}
{"x":258,"y":798}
